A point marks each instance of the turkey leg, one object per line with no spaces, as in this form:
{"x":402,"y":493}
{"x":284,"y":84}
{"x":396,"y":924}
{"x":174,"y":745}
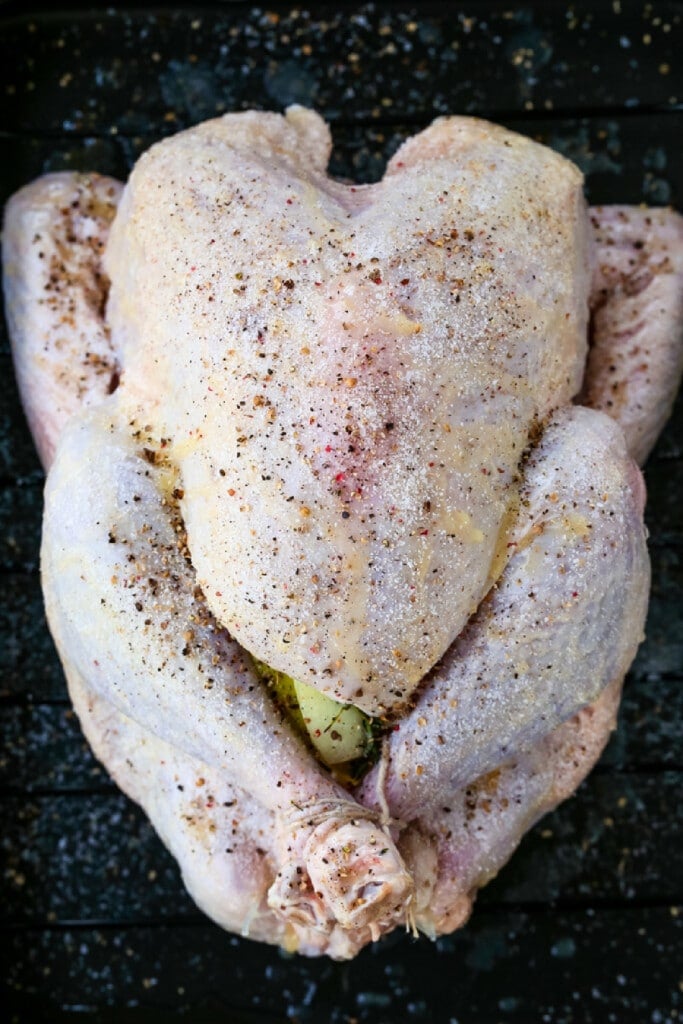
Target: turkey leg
{"x":455,"y":848}
{"x":125,"y":611}
{"x":225,"y":842}
{"x":563,"y":621}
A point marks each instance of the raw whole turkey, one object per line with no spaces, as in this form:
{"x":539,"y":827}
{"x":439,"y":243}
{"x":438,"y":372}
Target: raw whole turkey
{"x":343,"y":548}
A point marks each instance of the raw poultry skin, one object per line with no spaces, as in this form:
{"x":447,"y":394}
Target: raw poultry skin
{"x":319,"y":452}
{"x":369,"y":439}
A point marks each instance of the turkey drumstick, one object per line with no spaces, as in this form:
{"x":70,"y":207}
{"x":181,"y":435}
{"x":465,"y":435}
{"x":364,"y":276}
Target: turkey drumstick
{"x":563,"y":621}
{"x":125,"y":610}
{"x":225,"y":842}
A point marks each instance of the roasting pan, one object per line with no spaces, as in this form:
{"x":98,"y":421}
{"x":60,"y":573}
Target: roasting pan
{"x":583,"y":925}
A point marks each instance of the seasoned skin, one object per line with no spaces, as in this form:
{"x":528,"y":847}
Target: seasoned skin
{"x":55,"y":287}
{"x":187,"y":801}
{"x":47,"y":348}
{"x":453,"y":850}
{"x":224,"y":841}
{"x":355,"y":374}
{"x":636,"y":356}
{"x":563,"y":622}
{"x":130,"y":467}
{"x":126,"y":613}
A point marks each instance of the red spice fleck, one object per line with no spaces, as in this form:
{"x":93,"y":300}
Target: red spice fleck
{"x":328,"y":448}
{"x":289,"y":202}
{"x":340,"y":476}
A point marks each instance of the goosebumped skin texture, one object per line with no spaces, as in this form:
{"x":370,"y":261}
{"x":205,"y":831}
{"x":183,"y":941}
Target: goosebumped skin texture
{"x":563,"y":622}
{"x":453,"y":850}
{"x":126,"y":614}
{"x":224,"y":840}
{"x":636,"y":355}
{"x":355,"y":373}
{"x":450,"y":849}
{"x":55,"y":288}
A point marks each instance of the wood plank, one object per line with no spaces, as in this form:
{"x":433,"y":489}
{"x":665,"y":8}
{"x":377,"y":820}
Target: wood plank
{"x":18,"y":456}
{"x":560,"y":967}
{"x":661,"y":653}
{"x":21,"y":514}
{"x":670,"y":443}
{"x":43,"y":748}
{"x":664,"y":481}
{"x":91,"y":72}
{"x":93,"y":857}
{"x":630,"y":159}
{"x":30,"y":667}
{"x":649,"y":735}
{"x":617,"y":841}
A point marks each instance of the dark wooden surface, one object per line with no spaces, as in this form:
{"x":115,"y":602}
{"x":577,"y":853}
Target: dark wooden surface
{"x":583,"y":925}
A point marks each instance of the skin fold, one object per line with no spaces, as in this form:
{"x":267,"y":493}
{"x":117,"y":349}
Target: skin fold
{"x":143,"y":592}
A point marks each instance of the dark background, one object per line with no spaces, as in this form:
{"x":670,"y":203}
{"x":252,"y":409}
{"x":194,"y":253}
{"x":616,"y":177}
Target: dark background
{"x":583,"y":924}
